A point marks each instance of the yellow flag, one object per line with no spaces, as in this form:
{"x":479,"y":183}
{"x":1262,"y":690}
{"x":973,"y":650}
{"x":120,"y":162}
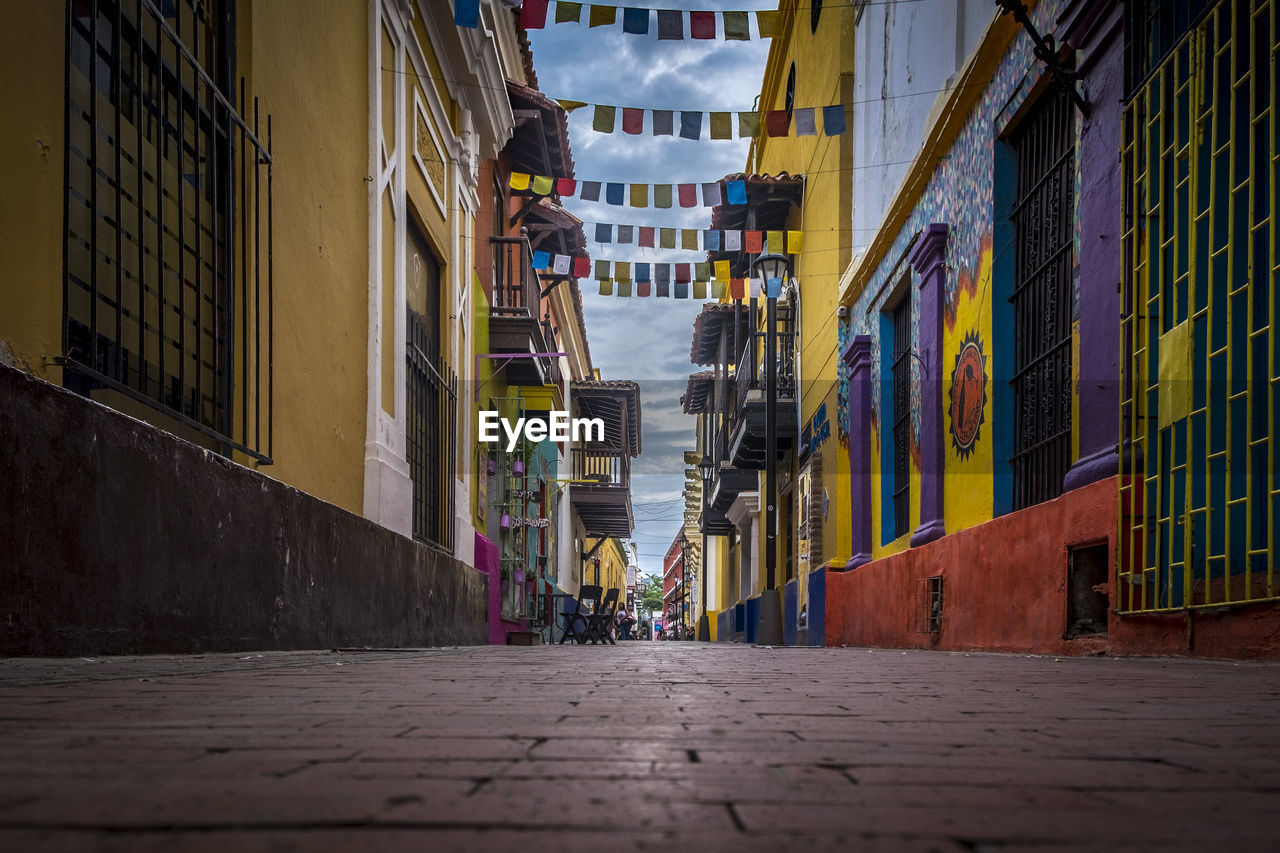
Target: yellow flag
{"x":569,"y":106}
{"x":767,"y":23}
{"x":699,"y":290}
{"x":639,"y":195}
{"x":689,"y":238}
{"x":519,"y":181}
{"x":775,"y":242}
{"x":722,"y":271}
{"x":622,"y":270}
{"x":602,"y":16}
{"x":541,"y":184}
{"x":795,"y":242}
{"x":722,"y":125}
{"x":718,"y":288}
{"x":606,"y":288}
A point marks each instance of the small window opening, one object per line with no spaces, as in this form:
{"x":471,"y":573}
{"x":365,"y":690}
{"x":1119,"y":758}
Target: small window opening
{"x":1087,"y":599}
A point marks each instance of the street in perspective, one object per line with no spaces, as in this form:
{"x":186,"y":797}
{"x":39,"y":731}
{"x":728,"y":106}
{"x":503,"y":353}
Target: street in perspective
{"x":548,"y":425}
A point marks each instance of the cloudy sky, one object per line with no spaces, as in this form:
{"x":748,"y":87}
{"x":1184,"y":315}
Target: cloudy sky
{"x":648,"y":339}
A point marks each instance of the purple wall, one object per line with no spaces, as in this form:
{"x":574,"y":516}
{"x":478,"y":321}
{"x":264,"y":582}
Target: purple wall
{"x":1094,"y":28}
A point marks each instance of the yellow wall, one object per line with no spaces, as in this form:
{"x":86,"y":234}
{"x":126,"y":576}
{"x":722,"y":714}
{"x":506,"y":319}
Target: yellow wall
{"x":31,"y":149}
{"x":967,"y":492}
{"x":308,"y":63}
{"x":824,"y":68}
{"x":613,"y":567}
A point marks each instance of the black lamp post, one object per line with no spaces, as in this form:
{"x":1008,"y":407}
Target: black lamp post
{"x":706,"y":470}
{"x":771,"y":271}
{"x":683,"y":606}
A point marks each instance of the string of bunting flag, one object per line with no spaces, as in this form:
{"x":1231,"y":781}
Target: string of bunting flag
{"x":752,"y":242}
{"x":734,"y":26}
{"x":777,"y":123}
{"x":696,"y":239}
{"x":646,"y":276}
{"x":665,"y":288}
{"x":635,"y":195}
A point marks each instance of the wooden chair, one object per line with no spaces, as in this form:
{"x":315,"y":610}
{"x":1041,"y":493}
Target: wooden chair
{"x":602,"y":619}
{"x":577,"y":624}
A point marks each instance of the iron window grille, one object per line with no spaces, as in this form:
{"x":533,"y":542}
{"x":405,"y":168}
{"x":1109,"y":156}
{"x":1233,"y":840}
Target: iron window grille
{"x":1042,"y":299}
{"x":1200,"y":360}
{"x":432,"y":404}
{"x":901,"y":370}
{"x":1152,"y":30}
{"x":929,"y":605}
{"x":167,"y":285}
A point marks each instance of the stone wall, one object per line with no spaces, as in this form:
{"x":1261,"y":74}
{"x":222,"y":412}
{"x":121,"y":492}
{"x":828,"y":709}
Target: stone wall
{"x":118,"y":538}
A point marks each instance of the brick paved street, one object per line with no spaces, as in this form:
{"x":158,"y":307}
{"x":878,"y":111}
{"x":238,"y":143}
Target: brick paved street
{"x":646,"y":746}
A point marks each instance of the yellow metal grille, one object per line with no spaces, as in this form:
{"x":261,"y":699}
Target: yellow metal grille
{"x":1199,"y":495}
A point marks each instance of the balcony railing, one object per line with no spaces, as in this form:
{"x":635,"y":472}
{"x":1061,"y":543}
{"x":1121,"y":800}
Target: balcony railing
{"x":515,"y":284}
{"x":750,"y":373}
{"x":601,"y":467}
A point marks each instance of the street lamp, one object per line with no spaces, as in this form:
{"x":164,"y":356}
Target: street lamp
{"x":771,"y":271}
{"x":706,"y":470}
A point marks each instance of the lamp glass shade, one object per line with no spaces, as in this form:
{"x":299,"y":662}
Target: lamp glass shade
{"x":706,"y":468}
{"x":768,"y":267}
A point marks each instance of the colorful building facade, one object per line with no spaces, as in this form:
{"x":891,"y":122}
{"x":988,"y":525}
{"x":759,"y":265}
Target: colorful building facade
{"x":1017,"y":484}
{"x":250,"y":225}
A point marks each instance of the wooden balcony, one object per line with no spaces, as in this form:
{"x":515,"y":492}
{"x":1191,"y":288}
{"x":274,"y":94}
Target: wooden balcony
{"x":601,"y":470}
{"x":514,"y":322}
{"x":747,"y":408}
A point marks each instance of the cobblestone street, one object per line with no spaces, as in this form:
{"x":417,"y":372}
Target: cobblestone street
{"x":644,"y":746}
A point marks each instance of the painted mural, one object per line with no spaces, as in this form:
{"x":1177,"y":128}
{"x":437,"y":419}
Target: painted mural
{"x":966,"y":410}
{"x":960,"y":193}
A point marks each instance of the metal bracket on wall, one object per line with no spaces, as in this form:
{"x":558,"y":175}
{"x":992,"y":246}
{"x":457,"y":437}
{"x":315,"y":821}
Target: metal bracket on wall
{"x":1046,"y":50}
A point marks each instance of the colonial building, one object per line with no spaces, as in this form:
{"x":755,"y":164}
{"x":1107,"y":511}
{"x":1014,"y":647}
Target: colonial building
{"x":237,"y":318}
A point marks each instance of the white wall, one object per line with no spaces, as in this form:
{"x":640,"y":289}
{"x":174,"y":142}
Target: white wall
{"x":904,"y":53}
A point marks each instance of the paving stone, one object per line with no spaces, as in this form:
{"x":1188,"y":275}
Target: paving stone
{"x":640,"y":747}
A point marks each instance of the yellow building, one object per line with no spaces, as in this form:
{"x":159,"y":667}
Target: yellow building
{"x":798,"y":195}
{"x":250,"y":224}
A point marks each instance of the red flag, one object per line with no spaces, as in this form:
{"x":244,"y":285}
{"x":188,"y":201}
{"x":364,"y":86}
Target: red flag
{"x":534,"y":14}
{"x":737,"y":288}
{"x":755,"y":242}
{"x":643,"y":288}
{"x":646,"y":237}
{"x":581,"y":267}
{"x":702,"y":25}
{"x":566,"y":187}
{"x":632,"y":120}
{"x":682,"y":273}
{"x":688,"y":195}
{"x":776,"y":122}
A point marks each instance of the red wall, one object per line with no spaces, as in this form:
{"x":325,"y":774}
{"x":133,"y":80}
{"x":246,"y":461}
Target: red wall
{"x":1004,"y":582}
{"x":1005,"y":589}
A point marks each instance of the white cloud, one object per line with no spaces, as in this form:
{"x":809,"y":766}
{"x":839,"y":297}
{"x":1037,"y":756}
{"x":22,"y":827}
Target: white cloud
{"x":648,"y":339}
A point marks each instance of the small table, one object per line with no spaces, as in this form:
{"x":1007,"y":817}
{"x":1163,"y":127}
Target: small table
{"x":549,"y":611}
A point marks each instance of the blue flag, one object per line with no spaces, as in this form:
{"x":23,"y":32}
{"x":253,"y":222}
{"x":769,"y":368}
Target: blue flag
{"x":635,"y":21}
{"x":466,"y":13}
{"x":833,"y":120}
{"x":541,"y":260}
{"x":736,"y":191}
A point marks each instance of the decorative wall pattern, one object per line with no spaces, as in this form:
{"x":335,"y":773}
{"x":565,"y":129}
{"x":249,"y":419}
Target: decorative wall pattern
{"x":960,"y":193}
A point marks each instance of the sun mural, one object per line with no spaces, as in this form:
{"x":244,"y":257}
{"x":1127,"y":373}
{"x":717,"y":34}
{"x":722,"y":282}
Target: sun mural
{"x":968,"y":395}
